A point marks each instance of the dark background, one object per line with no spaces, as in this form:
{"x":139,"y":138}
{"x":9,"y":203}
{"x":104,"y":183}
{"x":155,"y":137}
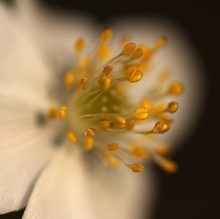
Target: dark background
{"x":194,"y":191}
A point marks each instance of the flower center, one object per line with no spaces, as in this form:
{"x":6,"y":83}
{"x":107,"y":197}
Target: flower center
{"x":100,"y":116}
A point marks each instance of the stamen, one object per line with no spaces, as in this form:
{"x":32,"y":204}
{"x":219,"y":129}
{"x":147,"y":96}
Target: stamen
{"x":128,"y":49}
{"x":168,"y":165}
{"x":72,"y":137}
{"x":106,"y":34}
{"x":90,"y":132}
{"x":161,"y":42}
{"x":100,"y":111}
{"x":112,"y":147}
{"x":68,"y":79}
{"x":80,"y":44}
{"x":105,"y":82}
{"x":161,"y":127}
{"x":140,"y":114}
{"x":63,"y":112}
{"x":176,"y":88}
{"x":136,"y":167}
{"x":89,"y":143}
{"x":120,"y":122}
{"x":133,"y":74}
{"x":138,"y":53}
{"x":52,"y":113}
{"x":82,"y":84}
{"x":172,"y":107}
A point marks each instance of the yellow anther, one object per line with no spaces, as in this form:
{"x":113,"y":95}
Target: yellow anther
{"x":82,"y":84}
{"x":168,"y":165}
{"x":63,"y":112}
{"x":68,"y":79}
{"x":133,"y":74}
{"x":84,"y":61}
{"x":52,"y":113}
{"x":161,"y":127}
{"x":79,"y":45}
{"x":120,"y":122}
{"x":162,"y":149}
{"x":71,"y":136}
{"x":146,"y":104}
{"x":172,"y":107}
{"x":90,"y":132}
{"x":140,"y":113}
{"x":107,"y":70}
{"x":138,"y":53}
{"x":140,"y":152}
{"x":128,"y":49}
{"x":105,"y":82}
{"x":104,"y":125}
{"x":89,"y":143}
{"x":130,"y":125}
{"x":113,"y":161}
{"x":106,"y":34}
{"x":104,"y":51}
{"x":112,"y":147}
{"x":136,"y":167}
{"x":161,"y":42}
{"x":176,"y":88}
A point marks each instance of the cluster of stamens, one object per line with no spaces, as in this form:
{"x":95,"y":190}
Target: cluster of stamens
{"x":98,"y":114}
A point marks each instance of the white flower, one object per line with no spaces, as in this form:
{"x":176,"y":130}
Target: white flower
{"x":65,"y":181}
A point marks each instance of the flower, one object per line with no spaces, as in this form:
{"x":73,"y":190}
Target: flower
{"x":55,"y":125}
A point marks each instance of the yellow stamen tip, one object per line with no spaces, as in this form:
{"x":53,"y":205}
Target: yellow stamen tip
{"x":128,"y":49}
{"x":106,"y":34}
{"x":161,"y":127}
{"x":82,"y":84}
{"x":140,"y":113}
{"x":68,"y":79}
{"x":71,"y":136}
{"x":90,"y":132}
{"x":107,"y":70}
{"x":105,"y":82}
{"x":172,"y":107}
{"x":89,"y":143}
{"x":161,"y":42}
{"x":63,"y":112}
{"x":79,"y":45}
{"x":176,"y":88}
{"x":138,"y":53}
{"x":133,"y":74}
{"x":168,"y":165}
{"x":120,"y":122}
{"x":136,"y":167}
{"x":104,"y":51}
{"x":146,"y":104}
{"x":52,"y":113}
{"x":112,"y":146}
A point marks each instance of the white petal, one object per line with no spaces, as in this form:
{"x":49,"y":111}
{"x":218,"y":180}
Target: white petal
{"x":24,"y":145}
{"x":180,"y":57}
{"x":122,"y":194}
{"x":55,"y":31}
{"x":62,"y":190}
{"x":68,"y":188}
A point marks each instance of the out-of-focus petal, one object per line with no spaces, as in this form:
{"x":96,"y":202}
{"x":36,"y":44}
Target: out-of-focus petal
{"x":122,"y":194}
{"x":179,"y":57}
{"x":24,"y":145}
{"x":62,"y":190}
{"x":54,"y":31}
{"x":68,"y":188}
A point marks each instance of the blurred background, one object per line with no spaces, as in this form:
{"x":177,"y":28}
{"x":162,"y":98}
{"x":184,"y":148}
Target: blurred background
{"x":194,"y":191}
